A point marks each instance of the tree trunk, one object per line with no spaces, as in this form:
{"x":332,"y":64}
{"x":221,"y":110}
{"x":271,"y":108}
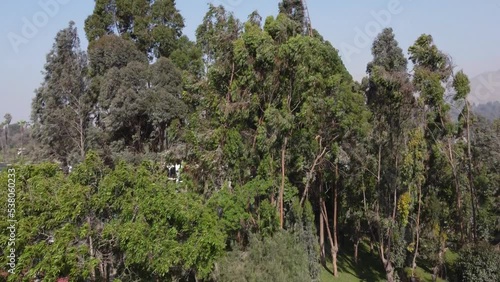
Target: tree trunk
{"x":228,"y":95}
{"x":330,"y":239}
{"x":282,"y":189}
{"x":162,"y":140}
{"x":417,"y":243}
{"x":82,"y":139}
{"x":6,"y":132}
{"x":21,"y":151}
{"x":138,"y":141}
{"x":389,"y":269}
{"x":92,"y":252}
{"x":437,"y":269}
{"x":335,"y":231}
{"x":389,"y":272}
{"x":321,"y":229}
{"x":459,"y":193}
{"x":356,"y":248}
{"x":470,"y":176}
{"x":310,"y":174}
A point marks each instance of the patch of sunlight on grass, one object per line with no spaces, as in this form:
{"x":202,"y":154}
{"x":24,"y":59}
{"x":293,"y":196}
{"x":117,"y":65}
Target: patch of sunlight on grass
{"x":369,"y":268}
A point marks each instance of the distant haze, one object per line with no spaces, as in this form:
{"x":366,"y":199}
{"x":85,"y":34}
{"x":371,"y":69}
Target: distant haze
{"x":485,"y":88}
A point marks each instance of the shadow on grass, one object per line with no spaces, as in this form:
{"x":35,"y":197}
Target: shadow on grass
{"x":368,"y":268}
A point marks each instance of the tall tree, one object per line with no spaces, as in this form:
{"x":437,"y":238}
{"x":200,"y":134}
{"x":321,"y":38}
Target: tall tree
{"x":138,"y":102}
{"x":6,"y":124}
{"x":295,"y":10}
{"x":390,"y":97}
{"x":215,"y":37}
{"x":22,"y":124}
{"x":62,"y":107}
{"x":153,"y":25}
{"x":432,"y":72}
{"x":461,"y":84}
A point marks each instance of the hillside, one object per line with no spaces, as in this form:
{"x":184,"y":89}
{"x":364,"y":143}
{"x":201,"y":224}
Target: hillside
{"x":490,"y":110}
{"x":485,"y":88}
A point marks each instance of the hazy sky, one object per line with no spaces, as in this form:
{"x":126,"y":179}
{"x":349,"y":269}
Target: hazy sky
{"x":468,"y":30}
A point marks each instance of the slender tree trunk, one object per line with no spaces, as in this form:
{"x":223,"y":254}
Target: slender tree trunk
{"x":273,"y":199}
{"x":335,"y":231}
{"x":105,"y":269}
{"x":470,"y":176}
{"x":3,"y":147}
{"x":92,"y":252}
{"x":356,"y":248}
{"x":417,"y":243}
{"x":437,"y":268}
{"x":282,"y":189}
{"x":138,"y":141}
{"x":6,"y":132}
{"x":458,"y":192}
{"x":102,"y":268}
{"x":321,"y":228}
{"x":358,"y":237}
{"x":22,"y":142}
{"x":330,"y":239}
{"x":82,"y":138}
{"x":228,"y":95}
{"x":310,"y":174}
{"x":389,"y":269}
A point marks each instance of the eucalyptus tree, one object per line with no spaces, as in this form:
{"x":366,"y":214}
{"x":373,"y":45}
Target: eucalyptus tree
{"x":432,"y":73}
{"x":461,"y":85}
{"x":61,"y":109}
{"x":390,"y":98}
{"x":279,"y":105}
{"x":485,"y":138}
{"x":5,"y":138}
{"x":138,"y":102}
{"x":443,"y":217}
{"x":295,"y":10}
{"x":153,"y":25}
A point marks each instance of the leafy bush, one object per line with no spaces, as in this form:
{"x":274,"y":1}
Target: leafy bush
{"x":281,"y":258}
{"x":479,"y":263}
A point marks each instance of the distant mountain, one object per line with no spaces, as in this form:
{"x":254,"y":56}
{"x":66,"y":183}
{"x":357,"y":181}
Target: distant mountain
{"x":490,"y":110}
{"x":485,"y":88}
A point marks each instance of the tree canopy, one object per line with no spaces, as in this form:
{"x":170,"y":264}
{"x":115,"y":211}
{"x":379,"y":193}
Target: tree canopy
{"x":248,"y":154}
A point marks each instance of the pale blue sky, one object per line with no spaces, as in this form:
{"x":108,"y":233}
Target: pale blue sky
{"x":466,"y":29}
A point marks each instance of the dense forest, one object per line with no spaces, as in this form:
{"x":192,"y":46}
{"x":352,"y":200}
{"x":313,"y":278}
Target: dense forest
{"x":249,"y":154}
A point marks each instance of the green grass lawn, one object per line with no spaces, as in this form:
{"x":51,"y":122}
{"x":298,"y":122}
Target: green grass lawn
{"x":369,"y":268}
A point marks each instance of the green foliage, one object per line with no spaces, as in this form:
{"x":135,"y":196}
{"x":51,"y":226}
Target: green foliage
{"x":111,"y":51}
{"x":144,"y":218}
{"x":61,"y":109}
{"x":154,"y":26}
{"x":258,"y":115}
{"x":295,"y":10}
{"x":478,"y":263}
{"x":404,"y":205}
{"x":386,"y":53}
{"x":279,"y":258}
{"x":462,"y":85}
{"x":141,"y":100}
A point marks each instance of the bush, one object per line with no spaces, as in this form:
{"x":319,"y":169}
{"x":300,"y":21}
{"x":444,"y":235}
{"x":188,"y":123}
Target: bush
{"x":479,"y":263}
{"x":280,"y":258}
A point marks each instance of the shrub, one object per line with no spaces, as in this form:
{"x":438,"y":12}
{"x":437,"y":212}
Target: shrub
{"x":280,"y":258}
{"x":479,"y":263}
